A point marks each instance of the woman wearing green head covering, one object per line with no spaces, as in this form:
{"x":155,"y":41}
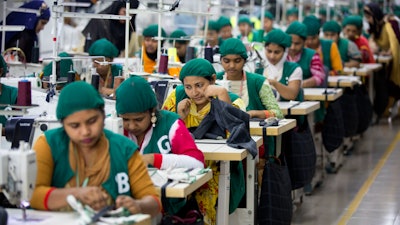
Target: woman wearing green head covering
{"x":292,"y":15}
{"x":8,"y":94}
{"x":352,"y":29}
{"x":192,"y":102}
{"x":81,"y":158}
{"x":164,"y":140}
{"x":327,"y":49}
{"x":150,"y":47}
{"x":284,"y":77}
{"x":65,"y":65}
{"x":225,"y":26}
{"x":212,"y":38}
{"x":252,"y":88}
{"x":156,"y":132}
{"x":349,"y":53}
{"x":308,"y":59}
{"x":107,"y":72}
{"x":247,"y":34}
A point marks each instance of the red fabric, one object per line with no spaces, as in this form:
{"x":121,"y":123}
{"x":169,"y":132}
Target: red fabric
{"x":157,"y":161}
{"x":182,"y":143}
{"x":366,"y":53}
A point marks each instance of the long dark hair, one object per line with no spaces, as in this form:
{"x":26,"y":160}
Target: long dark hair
{"x":376,"y":13}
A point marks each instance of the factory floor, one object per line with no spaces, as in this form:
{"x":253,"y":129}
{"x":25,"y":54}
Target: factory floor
{"x":365,"y":190}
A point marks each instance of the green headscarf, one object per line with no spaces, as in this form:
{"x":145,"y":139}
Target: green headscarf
{"x":244,"y":19}
{"x":233,"y":46}
{"x":76,"y":97}
{"x":278,"y":37}
{"x":292,"y":11}
{"x":65,"y":66}
{"x":353,"y":20}
{"x":197,"y":67}
{"x":213,"y":25}
{"x":224,"y":21}
{"x":178,"y":34}
{"x":134,"y":95}
{"x":103,"y":47}
{"x":297,"y":28}
{"x":313,"y":25}
{"x":331,"y":26}
{"x":323,"y":12}
{"x":268,"y":14}
{"x":3,"y":65}
{"x":152,"y":31}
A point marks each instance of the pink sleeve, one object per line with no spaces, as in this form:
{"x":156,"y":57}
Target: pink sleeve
{"x":317,"y":69}
{"x":183,"y":143}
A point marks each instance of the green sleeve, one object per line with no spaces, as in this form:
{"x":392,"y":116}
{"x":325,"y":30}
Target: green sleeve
{"x":269,"y":101}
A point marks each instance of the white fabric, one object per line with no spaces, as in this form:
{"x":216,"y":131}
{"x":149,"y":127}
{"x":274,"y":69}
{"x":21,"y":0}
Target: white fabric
{"x":275,"y":71}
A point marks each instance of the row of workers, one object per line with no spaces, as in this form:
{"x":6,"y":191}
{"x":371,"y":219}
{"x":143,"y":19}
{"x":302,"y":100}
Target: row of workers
{"x":146,"y":126}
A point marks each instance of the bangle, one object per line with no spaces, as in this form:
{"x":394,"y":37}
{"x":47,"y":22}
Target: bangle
{"x":266,"y":114}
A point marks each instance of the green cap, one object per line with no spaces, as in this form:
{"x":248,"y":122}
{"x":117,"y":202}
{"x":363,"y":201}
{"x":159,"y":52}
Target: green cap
{"x":198,"y":68}
{"x":278,"y":37}
{"x":3,"y":65}
{"x":323,"y":12}
{"x":268,"y":14}
{"x":134,"y":95}
{"x":76,"y":97}
{"x":297,"y":28}
{"x":331,"y":26}
{"x":244,"y":19}
{"x":103,"y":47}
{"x":178,"y":34}
{"x":313,"y":25}
{"x":292,"y":11}
{"x":224,"y":21}
{"x":353,"y":20}
{"x":213,"y":25}
{"x":233,"y":46}
{"x":152,"y":31}
{"x":65,"y":66}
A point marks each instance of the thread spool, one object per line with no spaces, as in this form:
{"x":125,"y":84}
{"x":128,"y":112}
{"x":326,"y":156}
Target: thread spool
{"x":208,"y":54}
{"x":24,"y":93}
{"x":35,"y":54}
{"x":117,"y":81}
{"x":163,"y":66}
{"x":95,"y":81}
{"x":190,"y":53}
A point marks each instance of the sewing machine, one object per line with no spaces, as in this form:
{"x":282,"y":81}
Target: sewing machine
{"x":18,"y":174}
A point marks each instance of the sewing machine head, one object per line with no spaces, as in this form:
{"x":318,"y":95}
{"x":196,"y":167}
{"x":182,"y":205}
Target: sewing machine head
{"x":18,"y":173}
{"x":28,"y":129}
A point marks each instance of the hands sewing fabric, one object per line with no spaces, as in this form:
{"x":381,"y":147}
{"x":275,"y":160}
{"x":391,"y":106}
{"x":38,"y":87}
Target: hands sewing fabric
{"x":92,"y":196}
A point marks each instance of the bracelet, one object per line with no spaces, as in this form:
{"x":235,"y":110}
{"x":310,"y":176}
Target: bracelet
{"x":267,"y":115}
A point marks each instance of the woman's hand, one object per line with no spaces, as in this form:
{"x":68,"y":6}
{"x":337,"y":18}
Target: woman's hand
{"x":129,"y":203}
{"x":148,"y":159}
{"x":217,"y":91}
{"x":214,"y":91}
{"x":184,"y":108}
{"x":272,"y":82}
{"x":93,"y":196}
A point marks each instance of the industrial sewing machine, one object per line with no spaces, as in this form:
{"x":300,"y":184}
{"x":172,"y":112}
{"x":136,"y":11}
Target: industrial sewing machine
{"x":18,"y":175}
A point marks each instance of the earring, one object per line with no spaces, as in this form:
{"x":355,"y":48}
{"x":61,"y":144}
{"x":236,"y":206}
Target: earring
{"x":153,"y":119}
